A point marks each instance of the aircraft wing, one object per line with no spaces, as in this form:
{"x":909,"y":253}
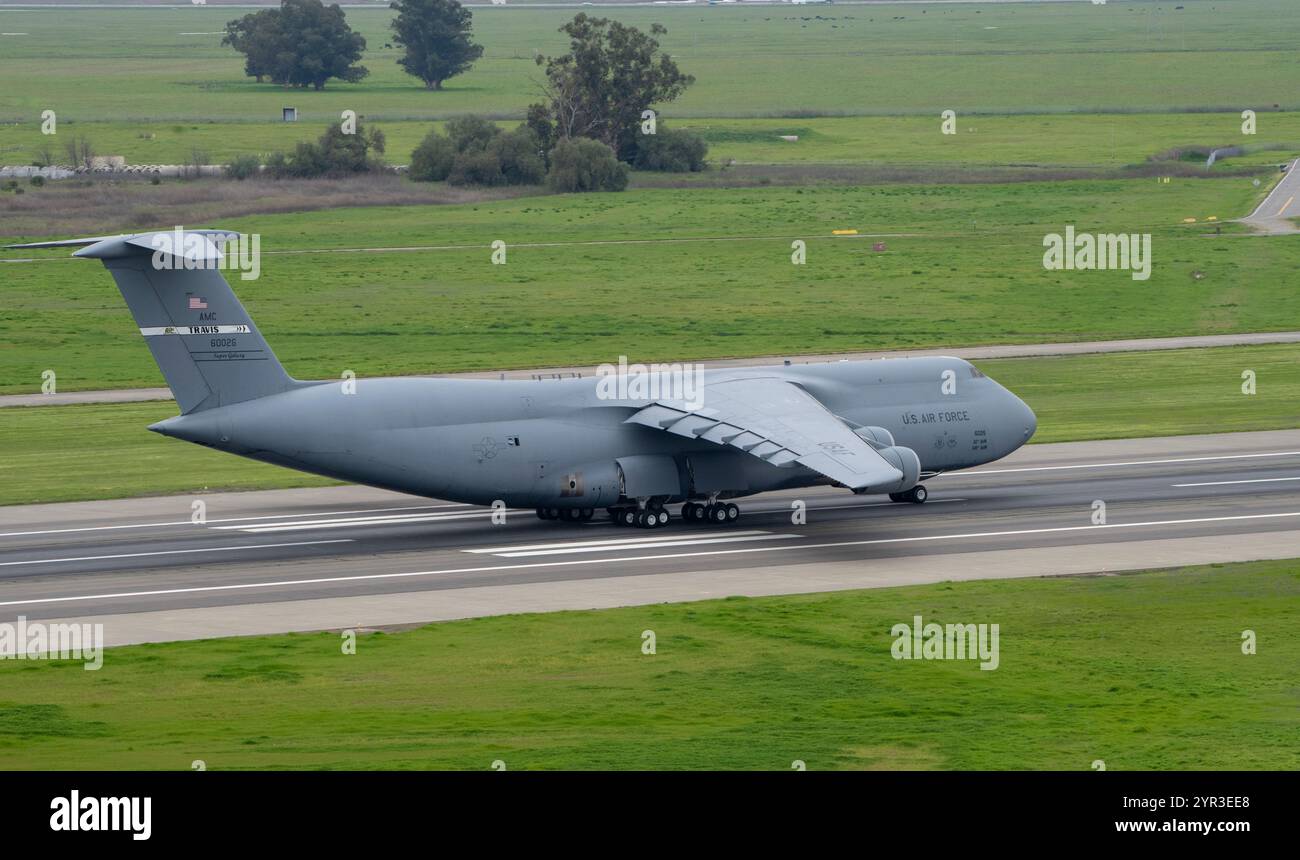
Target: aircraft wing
{"x":776,"y":421}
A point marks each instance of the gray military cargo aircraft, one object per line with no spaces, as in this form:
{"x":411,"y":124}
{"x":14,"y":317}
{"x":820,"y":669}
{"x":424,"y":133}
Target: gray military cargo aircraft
{"x":566,"y":447}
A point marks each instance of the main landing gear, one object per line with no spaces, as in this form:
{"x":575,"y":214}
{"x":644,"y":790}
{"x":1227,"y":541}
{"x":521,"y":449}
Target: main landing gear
{"x":917,"y":495}
{"x":650,"y":517}
{"x":572,"y":515}
{"x":717,"y":513}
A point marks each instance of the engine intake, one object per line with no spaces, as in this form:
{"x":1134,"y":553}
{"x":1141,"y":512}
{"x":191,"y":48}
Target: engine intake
{"x":906,"y":461}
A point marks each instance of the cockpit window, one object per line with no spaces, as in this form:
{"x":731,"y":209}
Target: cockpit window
{"x":976,"y":373}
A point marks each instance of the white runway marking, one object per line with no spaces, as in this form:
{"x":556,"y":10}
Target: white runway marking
{"x":1225,"y":483}
{"x":848,"y":507}
{"x":171,"y":552}
{"x":627,"y":540}
{"x":656,"y":544}
{"x":401,"y":519}
{"x":363,"y":577}
{"x":1127,"y":463}
{"x":223,"y":520}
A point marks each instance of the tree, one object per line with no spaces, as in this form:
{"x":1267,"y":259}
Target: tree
{"x":303,"y":43}
{"x":436,"y":37}
{"x":611,"y":74}
{"x":255,"y":36}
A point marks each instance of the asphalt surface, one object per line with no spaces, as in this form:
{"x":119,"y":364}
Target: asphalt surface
{"x":355,"y":557}
{"x":1275,"y":214}
{"x":971,"y":353}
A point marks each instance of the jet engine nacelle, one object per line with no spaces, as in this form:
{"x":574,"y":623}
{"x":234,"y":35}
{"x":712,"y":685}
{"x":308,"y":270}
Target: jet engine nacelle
{"x":879,"y":437}
{"x":590,"y":485}
{"x":906,"y":461}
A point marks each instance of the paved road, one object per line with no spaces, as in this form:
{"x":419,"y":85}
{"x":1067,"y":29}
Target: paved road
{"x":355,"y":557}
{"x":1275,"y":214}
{"x":132,"y":395}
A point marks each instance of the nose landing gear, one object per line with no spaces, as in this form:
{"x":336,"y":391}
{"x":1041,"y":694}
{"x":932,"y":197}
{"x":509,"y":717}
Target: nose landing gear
{"x":917,"y":495}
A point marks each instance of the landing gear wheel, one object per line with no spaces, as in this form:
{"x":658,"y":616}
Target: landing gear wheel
{"x":572,"y":515}
{"x":587,"y":513}
{"x":660,"y":517}
{"x":918,"y":494}
{"x":629,"y":517}
{"x":543,"y":514}
{"x":733,"y":512}
{"x":717,"y":513}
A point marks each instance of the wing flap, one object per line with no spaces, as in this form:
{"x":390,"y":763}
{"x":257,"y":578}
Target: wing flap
{"x":776,"y":421}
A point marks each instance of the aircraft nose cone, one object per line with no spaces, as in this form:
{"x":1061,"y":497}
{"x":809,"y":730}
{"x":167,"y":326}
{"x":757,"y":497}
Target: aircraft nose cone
{"x":1030,"y":420}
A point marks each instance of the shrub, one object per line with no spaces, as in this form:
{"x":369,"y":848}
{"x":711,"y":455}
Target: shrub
{"x":38,"y":181}
{"x":519,"y":155}
{"x":471,"y":132}
{"x":431,"y":160}
{"x":277,"y":165}
{"x":582,"y":164}
{"x":243,"y":167}
{"x":672,"y":150}
{"x":476,"y":168}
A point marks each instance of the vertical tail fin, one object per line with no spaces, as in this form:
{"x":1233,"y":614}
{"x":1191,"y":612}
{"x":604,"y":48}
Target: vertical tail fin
{"x":205,"y":343}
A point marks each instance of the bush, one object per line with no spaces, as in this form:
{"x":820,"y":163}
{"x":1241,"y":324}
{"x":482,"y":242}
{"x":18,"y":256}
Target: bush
{"x":582,"y":164}
{"x":38,"y":181}
{"x":277,"y":165}
{"x":243,"y":167}
{"x":333,"y":154}
{"x":471,"y":132}
{"x":671,"y":150}
{"x":476,"y":152}
{"x":476,"y":168}
{"x":431,"y":161}
{"x":519,"y":155}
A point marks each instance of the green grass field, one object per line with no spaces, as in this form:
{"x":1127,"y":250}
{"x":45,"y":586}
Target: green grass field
{"x":67,"y":453}
{"x":1091,"y":140}
{"x":1142,"y":671}
{"x":153,"y":64}
{"x":704,"y":274}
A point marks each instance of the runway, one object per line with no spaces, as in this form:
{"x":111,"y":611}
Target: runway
{"x":349,"y":557}
{"x":1275,"y":213}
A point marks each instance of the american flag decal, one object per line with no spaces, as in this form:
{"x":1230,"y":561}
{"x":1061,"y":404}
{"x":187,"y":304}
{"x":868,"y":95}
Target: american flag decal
{"x":198,"y":303}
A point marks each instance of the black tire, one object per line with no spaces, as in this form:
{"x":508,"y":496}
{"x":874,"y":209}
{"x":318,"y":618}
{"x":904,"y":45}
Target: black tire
{"x":918,"y":495}
{"x":630,"y":517}
{"x":733,"y":513}
{"x":719,"y":513}
{"x":898,"y":497}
